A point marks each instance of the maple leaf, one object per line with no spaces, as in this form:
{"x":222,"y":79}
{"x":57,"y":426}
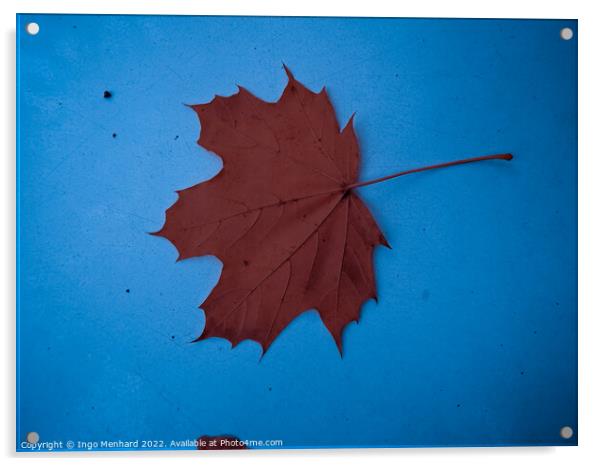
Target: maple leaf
{"x":283,"y":215}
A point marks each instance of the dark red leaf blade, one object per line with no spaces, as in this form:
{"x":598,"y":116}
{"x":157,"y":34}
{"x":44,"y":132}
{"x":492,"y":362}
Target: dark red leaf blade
{"x":290,"y":236}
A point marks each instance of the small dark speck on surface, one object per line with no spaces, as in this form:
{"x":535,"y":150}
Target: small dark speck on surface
{"x":534,"y":332}
{"x":522,"y":372}
{"x":176,"y":138}
{"x":426,"y":294}
{"x":127,"y":291}
{"x":107,"y":95}
{"x":458,"y":405}
{"x":173,"y":337}
{"x":114,"y":135}
{"x":557,"y":303}
{"x":269,"y":389}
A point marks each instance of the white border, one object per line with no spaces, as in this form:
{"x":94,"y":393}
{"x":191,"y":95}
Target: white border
{"x":590,"y":234}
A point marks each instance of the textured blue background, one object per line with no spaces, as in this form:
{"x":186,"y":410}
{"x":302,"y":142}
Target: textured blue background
{"x":474,"y":338}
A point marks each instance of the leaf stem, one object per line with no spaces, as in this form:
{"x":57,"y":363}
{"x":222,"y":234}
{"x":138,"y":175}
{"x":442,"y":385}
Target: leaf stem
{"x":431,"y":167}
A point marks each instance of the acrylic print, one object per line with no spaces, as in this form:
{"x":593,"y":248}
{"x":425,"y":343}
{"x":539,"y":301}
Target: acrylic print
{"x":232,"y":230}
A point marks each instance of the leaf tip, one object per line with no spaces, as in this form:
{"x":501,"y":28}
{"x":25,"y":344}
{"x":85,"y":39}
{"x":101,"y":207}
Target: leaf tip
{"x":338,"y":339}
{"x":263,"y":350}
{"x":349,"y":125}
{"x":288,"y":72}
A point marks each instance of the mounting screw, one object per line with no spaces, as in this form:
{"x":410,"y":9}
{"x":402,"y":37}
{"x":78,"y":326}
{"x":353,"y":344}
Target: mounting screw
{"x":566,"y":432}
{"x":32,"y":437}
{"x":32,"y":28}
{"x":566,"y":33}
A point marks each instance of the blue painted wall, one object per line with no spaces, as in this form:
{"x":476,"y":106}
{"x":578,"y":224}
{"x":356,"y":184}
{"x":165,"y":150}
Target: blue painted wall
{"x":474,"y":338}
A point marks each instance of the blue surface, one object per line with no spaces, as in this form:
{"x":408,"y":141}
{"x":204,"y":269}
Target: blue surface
{"x":474,"y":338}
